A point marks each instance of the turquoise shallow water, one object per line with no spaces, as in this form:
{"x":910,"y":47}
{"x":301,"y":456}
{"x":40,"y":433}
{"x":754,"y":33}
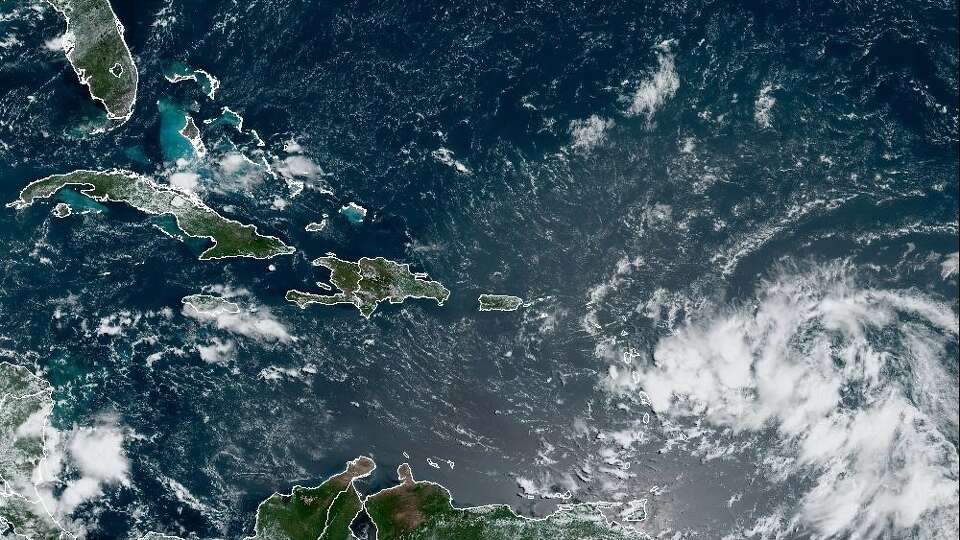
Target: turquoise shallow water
{"x":79,"y":203}
{"x":655,"y":181}
{"x":354,"y":214}
{"x":173,"y":145}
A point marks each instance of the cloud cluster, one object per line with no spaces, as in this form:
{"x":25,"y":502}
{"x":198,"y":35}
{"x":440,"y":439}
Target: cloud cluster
{"x":661,"y":86}
{"x":589,"y":133}
{"x":84,"y":461}
{"x":97,"y":453}
{"x":852,"y":383}
{"x":252,"y":321}
{"x":763,"y":107}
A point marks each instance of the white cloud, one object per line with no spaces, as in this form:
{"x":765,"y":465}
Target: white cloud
{"x":661,"y":86}
{"x":186,"y":181}
{"x":92,"y":458}
{"x":446,"y":156}
{"x":57,"y":44}
{"x":292,"y":147}
{"x":298,"y":166}
{"x":253,"y":321}
{"x":78,"y":491}
{"x":852,"y":383}
{"x":950,"y":265}
{"x":9,"y":41}
{"x":237,"y":171}
{"x":763,"y":106}
{"x":217,"y":351}
{"x":98,"y":454}
{"x":587,"y":134}
{"x":113,"y":325}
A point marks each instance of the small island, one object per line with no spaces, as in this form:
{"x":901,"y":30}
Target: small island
{"x":178,"y":72}
{"x":367,"y":282}
{"x":324,"y":512}
{"x":354,"y":213}
{"x":317,"y":226}
{"x":499,"y":302}
{"x":191,"y":133}
{"x":100,"y":57}
{"x":194,"y":218}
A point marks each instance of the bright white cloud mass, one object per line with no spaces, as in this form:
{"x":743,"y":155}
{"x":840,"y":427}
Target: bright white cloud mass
{"x":253,"y":321}
{"x":820,"y":362}
{"x":80,"y":465}
{"x":662,"y":85}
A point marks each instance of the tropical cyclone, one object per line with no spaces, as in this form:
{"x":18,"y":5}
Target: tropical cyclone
{"x":230,"y":238}
{"x":100,"y":57}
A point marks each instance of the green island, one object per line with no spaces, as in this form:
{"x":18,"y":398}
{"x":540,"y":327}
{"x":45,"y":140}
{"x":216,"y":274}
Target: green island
{"x":194,"y":218}
{"x":99,"y":55}
{"x":209,"y":304}
{"x":325,"y":511}
{"x":367,"y":282}
{"x":26,"y":402}
{"x":499,"y":302}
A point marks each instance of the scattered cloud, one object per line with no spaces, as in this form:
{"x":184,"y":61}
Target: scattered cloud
{"x":446,"y":157}
{"x":253,"y":321}
{"x":661,"y":86}
{"x":217,"y":351}
{"x":763,"y":107}
{"x":298,"y":167}
{"x":587,"y":134}
{"x":950,"y":265}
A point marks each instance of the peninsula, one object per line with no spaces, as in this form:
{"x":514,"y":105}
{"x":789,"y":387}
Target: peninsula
{"x":100,"y":57}
{"x":26,"y":401}
{"x":416,"y":510}
{"x":322,"y":512}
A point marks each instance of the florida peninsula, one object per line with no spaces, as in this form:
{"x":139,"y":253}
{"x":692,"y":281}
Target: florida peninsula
{"x":100,"y":57}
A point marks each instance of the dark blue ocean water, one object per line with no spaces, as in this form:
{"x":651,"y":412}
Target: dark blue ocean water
{"x":855,"y":160}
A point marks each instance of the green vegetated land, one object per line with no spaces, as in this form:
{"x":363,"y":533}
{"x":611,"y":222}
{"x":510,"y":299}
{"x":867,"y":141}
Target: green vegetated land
{"x":99,"y":54}
{"x":230,"y":238}
{"x":414,"y":510}
{"x":367,"y":282}
{"x":25,"y":403}
{"x":307,"y":513}
{"x":499,"y":302}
